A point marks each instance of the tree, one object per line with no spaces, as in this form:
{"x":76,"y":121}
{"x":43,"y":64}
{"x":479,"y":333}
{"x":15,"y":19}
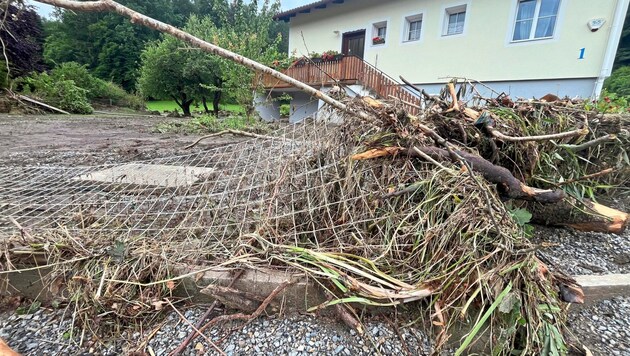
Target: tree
{"x":172,"y":70}
{"x":22,"y":38}
{"x":244,"y":28}
{"x":162,"y":75}
{"x":105,"y":42}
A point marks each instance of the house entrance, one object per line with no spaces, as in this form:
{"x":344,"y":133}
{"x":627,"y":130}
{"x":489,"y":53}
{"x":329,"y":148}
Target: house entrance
{"x":353,"y":43}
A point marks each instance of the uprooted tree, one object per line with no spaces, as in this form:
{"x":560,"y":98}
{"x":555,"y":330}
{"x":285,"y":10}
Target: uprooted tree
{"x":391,"y":208}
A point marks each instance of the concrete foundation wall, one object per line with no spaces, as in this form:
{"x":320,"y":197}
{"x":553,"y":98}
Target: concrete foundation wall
{"x":302,"y":107}
{"x":583,"y":88}
{"x":266,"y":106}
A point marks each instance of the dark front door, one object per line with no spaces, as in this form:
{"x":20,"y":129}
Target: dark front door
{"x":353,"y":43}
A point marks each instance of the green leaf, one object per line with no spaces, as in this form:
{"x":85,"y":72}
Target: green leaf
{"x":482,"y":321}
{"x":521,"y":216}
{"x":359,"y":300}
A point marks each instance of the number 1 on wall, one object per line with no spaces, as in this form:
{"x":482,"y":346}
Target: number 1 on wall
{"x":582,"y":51}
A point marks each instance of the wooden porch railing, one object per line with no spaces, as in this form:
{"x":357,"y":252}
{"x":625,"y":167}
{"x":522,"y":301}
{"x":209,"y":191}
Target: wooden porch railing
{"x":348,"y":70}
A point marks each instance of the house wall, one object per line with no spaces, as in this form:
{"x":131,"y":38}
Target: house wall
{"x":483,"y":52}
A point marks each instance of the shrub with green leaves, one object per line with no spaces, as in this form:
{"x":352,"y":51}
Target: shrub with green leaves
{"x":63,"y":94}
{"x":285,"y":110}
{"x":619,"y":82}
{"x":98,"y":90}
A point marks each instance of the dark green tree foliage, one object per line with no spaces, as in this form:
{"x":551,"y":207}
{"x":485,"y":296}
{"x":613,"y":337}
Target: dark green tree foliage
{"x":107,"y":43}
{"x":623,"y":52}
{"x":619,"y":82}
{"x":22,"y":35}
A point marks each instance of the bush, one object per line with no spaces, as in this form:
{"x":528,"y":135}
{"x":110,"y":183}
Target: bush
{"x":609,"y":103}
{"x":98,"y":90}
{"x":285,"y":110}
{"x":619,"y":82}
{"x":63,"y":94}
{"x":81,"y":77}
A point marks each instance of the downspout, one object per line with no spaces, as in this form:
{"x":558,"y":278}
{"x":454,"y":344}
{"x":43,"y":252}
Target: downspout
{"x":613,"y":44}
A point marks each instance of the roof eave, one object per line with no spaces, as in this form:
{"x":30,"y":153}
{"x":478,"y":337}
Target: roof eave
{"x":305,"y":9}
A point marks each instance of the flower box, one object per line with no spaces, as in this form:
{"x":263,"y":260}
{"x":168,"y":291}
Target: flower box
{"x":378,"y":40}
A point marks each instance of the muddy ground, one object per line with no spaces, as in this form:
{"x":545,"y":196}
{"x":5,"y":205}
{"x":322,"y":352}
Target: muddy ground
{"x":101,"y":139}
{"x":89,"y":140}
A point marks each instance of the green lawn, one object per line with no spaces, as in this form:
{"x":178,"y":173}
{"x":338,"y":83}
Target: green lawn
{"x":170,"y":105}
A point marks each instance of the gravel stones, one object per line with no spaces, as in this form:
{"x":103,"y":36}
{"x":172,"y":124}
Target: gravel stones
{"x":603,"y":327}
{"x":585,"y":253}
{"x":50,"y":333}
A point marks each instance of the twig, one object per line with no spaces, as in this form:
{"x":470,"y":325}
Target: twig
{"x":143,"y":20}
{"x":233,"y":132}
{"x":578,"y":132}
{"x":45,"y":266}
{"x":400,"y":337}
{"x":428,"y":158}
{"x":346,"y":315}
{"x":473,"y":115}
{"x":150,"y":336}
{"x":23,"y":232}
{"x":511,"y":187}
{"x":194,"y":328}
{"x":589,"y":144}
{"x":426,"y":95}
{"x":202,"y":320}
{"x":588,"y":176}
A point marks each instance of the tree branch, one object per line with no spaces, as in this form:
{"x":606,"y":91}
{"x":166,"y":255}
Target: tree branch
{"x":589,"y":144}
{"x":508,"y":184}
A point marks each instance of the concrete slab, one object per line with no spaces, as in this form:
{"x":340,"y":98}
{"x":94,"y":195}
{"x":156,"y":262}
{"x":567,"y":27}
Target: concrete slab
{"x":298,"y":296}
{"x":148,"y":174}
{"x":597,"y":288}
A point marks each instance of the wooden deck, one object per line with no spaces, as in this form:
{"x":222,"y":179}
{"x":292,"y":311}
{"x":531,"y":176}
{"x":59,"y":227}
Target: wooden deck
{"x":348,"y":70}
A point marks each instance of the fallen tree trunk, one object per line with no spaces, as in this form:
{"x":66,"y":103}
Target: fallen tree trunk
{"x":583,"y":215}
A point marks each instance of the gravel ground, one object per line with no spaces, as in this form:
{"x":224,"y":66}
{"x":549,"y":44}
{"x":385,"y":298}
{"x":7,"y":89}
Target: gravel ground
{"x":586,"y":253}
{"x":604,"y":327}
{"x":45,"y":333}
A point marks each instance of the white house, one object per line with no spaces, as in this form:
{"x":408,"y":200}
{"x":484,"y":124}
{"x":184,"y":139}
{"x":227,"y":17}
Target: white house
{"x":525,"y":48}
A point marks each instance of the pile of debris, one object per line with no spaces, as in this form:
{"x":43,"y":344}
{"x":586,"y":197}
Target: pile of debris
{"x":385,"y":209}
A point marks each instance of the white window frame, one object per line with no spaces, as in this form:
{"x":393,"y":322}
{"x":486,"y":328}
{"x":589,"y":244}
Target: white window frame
{"x":376,"y":26}
{"x":407,"y":28}
{"x":452,"y":10}
{"x":532,"y":32}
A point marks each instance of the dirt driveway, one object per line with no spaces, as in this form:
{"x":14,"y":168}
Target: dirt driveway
{"x":88,"y":140}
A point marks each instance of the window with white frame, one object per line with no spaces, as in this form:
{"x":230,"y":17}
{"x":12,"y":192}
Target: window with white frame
{"x":379,"y":32}
{"x":535,"y":19}
{"x":413,"y":28}
{"x":455,"y":20}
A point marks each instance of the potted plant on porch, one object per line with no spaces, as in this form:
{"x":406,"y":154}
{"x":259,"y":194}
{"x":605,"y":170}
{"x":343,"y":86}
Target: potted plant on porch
{"x":316,"y":57}
{"x":331,"y":56}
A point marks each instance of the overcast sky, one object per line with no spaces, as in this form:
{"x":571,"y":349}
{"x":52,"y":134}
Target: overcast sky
{"x":46,"y":10}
